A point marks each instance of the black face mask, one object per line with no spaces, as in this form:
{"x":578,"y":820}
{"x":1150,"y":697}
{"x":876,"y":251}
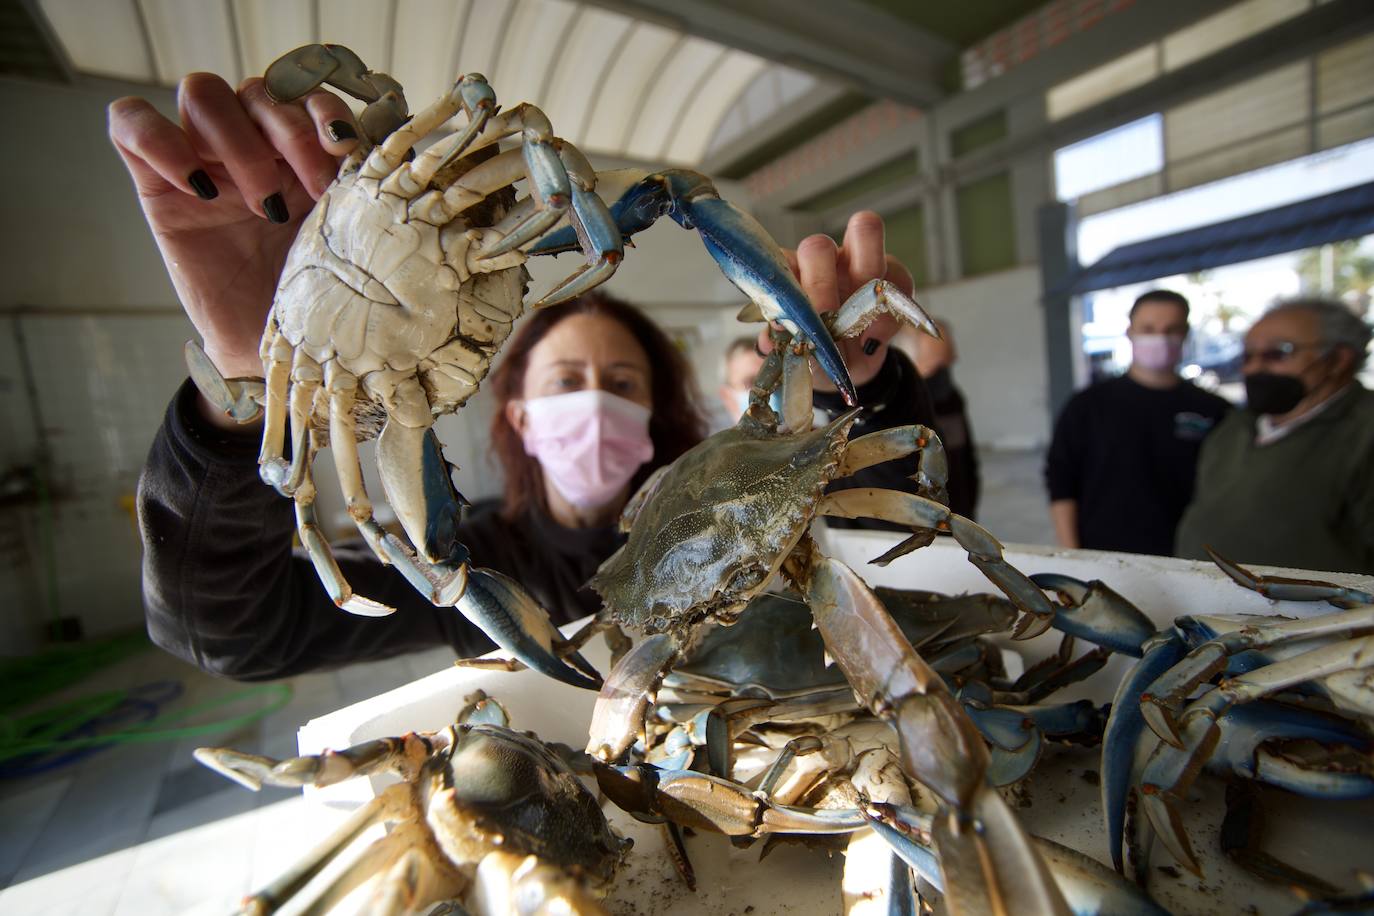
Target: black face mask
{"x":1268,"y":393}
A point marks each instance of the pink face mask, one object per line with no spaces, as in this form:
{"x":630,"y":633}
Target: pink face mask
{"x":1156,"y":352}
{"x":589,"y":443}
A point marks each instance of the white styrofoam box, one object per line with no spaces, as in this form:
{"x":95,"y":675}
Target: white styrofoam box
{"x":1060,"y":798}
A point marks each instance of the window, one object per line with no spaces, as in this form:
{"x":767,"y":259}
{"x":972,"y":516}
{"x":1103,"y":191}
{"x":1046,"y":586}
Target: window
{"x":987,"y":232}
{"x":1130,"y":151}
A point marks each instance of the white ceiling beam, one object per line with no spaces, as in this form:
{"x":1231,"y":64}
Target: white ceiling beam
{"x":843,"y":40}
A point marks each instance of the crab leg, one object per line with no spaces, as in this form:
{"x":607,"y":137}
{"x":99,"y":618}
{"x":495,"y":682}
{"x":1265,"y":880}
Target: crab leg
{"x":743,"y":249}
{"x":1160,"y":704}
{"x":986,"y":855}
{"x":1242,"y":750}
{"x":876,"y":879}
{"x":797,"y":412}
{"x":395,"y":803}
{"x":417,"y":878}
{"x":932,"y":471}
{"x":1171,"y":771}
{"x":692,"y":799}
{"x":386,"y":162}
{"x":401,"y":756}
{"x":1280,"y":589}
{"x":326,"y":567}
{"x":597,"y":233}
{"x":408,"y":451}
{"x":766,"y":381}
{"x":983,"y":549}
{"x":306,"y":377}
{"x":1089,"y":888}
{"x":505,"y":612}
{"x":276,"y":358}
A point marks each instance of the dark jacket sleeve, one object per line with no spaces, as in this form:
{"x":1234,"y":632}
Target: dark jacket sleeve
{"x":222,"y":586}
{"x":896,"y":396}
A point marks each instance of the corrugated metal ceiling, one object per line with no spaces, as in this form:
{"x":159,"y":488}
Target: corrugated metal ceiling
{"x":611,"y":84}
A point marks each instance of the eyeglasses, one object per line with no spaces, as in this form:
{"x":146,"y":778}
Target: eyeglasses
{"x":1277,"y":353}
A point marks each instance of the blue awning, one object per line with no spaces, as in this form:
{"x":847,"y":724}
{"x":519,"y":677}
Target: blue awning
{"x":1332,"y":217}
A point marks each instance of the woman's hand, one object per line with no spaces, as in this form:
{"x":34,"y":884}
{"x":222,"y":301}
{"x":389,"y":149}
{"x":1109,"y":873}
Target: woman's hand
{"x":224,"y":193}
{"x":830,"y":274}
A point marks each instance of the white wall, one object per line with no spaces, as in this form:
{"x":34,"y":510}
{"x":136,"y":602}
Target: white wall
{"x":107,"y":351}
{"x":998,"y":328}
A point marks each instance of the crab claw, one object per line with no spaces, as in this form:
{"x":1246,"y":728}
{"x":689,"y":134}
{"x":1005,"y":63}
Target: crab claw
{"x":1093,"y":611}
{"x":1245,"y":749}
{"x":1124,"y":728}
{"x":746,"y":253}
{"x":986,"y":855}
{"x":618,"y":717}
{"x":1280,"y":589}
{"x":1171,"y":771}
{"x":298,"y":72}
{"x":240,"y":399}
{"x":505,"y":612}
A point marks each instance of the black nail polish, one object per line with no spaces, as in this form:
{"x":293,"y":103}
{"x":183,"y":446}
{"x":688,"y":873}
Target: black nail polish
{"x":202,"y":185}
{"x":759,"y":350}
{"x":340,"y":130}
{"x":871,"y":346}
{"x":275,"y":208}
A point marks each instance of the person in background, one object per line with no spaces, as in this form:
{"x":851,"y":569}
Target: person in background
{"x":934,"y":359}
{"x":742,"y":363}
{"x":1289,"y":480}
{"x":1121,"y":464}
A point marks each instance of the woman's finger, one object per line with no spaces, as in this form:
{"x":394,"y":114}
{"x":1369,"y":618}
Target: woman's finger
{"x":157,"y":152}
{"x":309,"y":134}
{"x":817,"y":272}
{"x":864,"y":251}
{"x":221,"y":130}
{"x":899,"y":276}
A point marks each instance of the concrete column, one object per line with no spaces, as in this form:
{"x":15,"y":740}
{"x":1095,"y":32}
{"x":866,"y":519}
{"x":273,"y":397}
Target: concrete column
{"x":1057,"y":226}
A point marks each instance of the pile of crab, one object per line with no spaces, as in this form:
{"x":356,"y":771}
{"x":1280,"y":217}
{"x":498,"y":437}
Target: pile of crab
{"x":768,"y":692}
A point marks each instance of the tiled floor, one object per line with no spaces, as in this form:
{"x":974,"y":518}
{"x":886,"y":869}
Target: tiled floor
{"x":142,"y":829}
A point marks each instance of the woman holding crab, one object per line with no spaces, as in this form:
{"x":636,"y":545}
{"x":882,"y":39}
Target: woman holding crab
{"x":224,"y":193}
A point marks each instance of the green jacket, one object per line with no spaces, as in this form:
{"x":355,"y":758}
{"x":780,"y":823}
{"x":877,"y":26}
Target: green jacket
{"x":1305,"y":501}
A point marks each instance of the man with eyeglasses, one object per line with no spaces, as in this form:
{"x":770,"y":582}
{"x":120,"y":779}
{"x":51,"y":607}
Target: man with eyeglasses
{"x":1289,"y":481}
{"x":1120,"y":467}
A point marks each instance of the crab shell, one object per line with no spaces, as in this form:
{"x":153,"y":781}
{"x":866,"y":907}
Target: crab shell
{"x":503,"y":789}
{"x":718,"y":525}
{"x":359,"y":287}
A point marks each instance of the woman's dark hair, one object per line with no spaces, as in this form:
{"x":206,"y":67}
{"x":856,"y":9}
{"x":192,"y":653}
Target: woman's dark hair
{"x":676,"y":425}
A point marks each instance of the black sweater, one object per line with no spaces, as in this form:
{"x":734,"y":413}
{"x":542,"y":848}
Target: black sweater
{"x":224,"y":590}
{"x":1128,"y":455}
